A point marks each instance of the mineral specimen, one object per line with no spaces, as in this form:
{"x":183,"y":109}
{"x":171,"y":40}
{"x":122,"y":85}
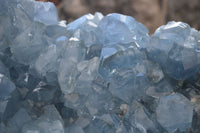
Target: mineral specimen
{"x":101,"y":74}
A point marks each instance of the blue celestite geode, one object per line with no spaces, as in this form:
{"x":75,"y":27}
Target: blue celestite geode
{"x":102,"y":74}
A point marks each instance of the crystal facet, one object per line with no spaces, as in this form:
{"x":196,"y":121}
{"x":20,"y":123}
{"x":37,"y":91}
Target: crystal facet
{"x":174,"y":112}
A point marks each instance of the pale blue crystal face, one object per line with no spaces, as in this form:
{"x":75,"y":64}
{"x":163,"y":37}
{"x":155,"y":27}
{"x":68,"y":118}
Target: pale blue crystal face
{"x":118,"y":28}
{"x":6,"y":87}
{"x":4,"y":70}
{"x":126,"y":72}
{"x":99,"y":126}
{"x":44,"y":12}
{"x":49,"y":122}
{"x":74,"y":129}
{"x":86,"y":29}
{"x":18,"y":121}
{"x":101,"y":74}
{"x":33,"y":36}
{"x":68,"y":70}
{"x":160,"y":89}
{"x":31,"y":29}
{"x":175,"y":47}
{"x":175,"y":31}
{"x":122,"y":59}
{"x":141,"y":118}
{"x":174,"y":112}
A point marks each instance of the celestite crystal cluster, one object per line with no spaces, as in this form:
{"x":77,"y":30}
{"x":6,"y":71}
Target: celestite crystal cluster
{"x":98,"y":74}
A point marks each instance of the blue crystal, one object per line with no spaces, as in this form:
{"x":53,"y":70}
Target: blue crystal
{"x":6,"y":87}
{"x":4,"y":70}
{"x":87,"y":29}
{"x":174,"y":46}
{"x":101,"y":74}
{"x":174,"y":112}
{"x":18,"y":120}
{"x":49,"y":122}
{"x":118,"y":28}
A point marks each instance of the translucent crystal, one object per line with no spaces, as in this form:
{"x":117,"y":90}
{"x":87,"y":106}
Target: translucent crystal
{"x":123,"y":59}
{"x":33,"y":36}
{"x":74,"y":129}
{"x":44,"y":12}
{"x":49,"y":122}
{"x":175,"y":47}
{"x":162,"y":88}
{"x":38,"y":94}
{"x":86,"y":29}
{"x":99,"y":126}
{"x":6,"y":23}
{"x":4,"y":70}
{"x":174,"y":112}
{"x":126,"y":72}
{"x":155,"y":73}
{"x":143,"y":120}
{"x":118,"y":28}
{"x":68,"y":70}
{"x":18,"y":120}
{"x":127,"y":86}
{"x":6,"y":87}
{"x":2,"y":128}
{"x":47,"y":61}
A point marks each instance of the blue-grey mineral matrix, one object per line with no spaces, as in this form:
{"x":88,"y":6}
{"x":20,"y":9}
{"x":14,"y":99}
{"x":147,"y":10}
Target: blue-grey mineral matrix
{"x":97,"y":74}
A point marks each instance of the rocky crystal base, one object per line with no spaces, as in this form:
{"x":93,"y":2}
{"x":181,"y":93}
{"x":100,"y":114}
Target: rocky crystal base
{"x":98,"y":74}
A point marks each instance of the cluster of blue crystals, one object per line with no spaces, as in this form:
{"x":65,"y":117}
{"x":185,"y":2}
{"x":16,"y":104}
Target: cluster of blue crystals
{"x":97,"y":74}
